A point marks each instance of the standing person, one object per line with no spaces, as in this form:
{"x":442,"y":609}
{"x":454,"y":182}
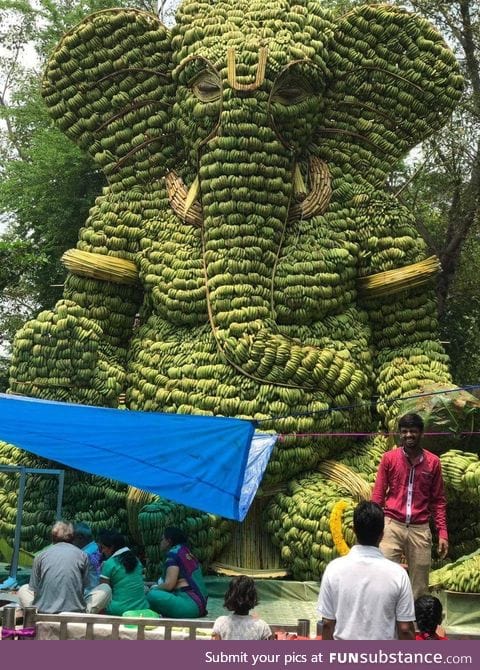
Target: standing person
{"x":181,"y":593}
{"x":121,"y":575}
{"x":59,"y":575}
{"x":240,"y":598}
{"x":428,"y":616}
{"x":409,"y":486}
{"x":363,"y":595}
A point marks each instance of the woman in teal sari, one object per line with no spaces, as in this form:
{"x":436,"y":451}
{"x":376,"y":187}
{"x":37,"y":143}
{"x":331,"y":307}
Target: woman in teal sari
{"x":121,"y":574}
{"x":182,"y":593}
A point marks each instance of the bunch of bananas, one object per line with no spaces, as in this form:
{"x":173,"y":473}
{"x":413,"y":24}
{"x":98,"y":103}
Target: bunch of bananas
{"x":395,"y":105}
{"x":299,"y":522}
{"x":308,"y":504}
{"x":62,"y":355}
{"x":94,"y":500}
{"x":99,"y":96}
{"x":461,"y":471}
{"x":461,"y":575}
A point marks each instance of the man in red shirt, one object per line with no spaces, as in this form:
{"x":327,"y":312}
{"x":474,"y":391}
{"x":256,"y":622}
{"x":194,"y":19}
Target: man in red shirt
{"x":409,"y":487}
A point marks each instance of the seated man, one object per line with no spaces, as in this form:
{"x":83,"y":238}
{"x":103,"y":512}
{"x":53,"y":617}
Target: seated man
{"x":59,"y":575}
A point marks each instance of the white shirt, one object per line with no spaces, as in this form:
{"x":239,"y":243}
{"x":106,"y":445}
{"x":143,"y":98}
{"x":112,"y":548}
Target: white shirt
{"x":366,"y":594}
{"x":241,"y":627}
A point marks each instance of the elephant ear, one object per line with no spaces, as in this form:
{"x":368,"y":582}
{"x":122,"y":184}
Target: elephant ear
{"x":108,"y":87}
{"x":394,"y":81}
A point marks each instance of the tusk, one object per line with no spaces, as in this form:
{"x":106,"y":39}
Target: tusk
{"x":192,"y":195}
{"x":319,"y":195}
{"x":179,"y":197}
{"x":299,"y":188}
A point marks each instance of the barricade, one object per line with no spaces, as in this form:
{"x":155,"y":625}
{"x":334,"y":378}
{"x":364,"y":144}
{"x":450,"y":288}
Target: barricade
{"x":67,"y":626}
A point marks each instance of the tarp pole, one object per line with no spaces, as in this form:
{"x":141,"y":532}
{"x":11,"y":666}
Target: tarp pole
{"x":61,"y":480}
{"x":18,"y":524}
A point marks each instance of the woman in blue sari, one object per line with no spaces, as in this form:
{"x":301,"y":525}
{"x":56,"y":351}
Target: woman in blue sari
{"x":182,"y":593}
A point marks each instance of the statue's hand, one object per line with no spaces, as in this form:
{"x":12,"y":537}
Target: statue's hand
{"x":61,"y":355}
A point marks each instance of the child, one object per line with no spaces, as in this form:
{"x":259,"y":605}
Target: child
{"x":240,"y":598}
{"x":428,"y":615}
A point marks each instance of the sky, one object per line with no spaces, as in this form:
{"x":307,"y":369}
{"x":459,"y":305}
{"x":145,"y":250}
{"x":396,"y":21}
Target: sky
{"x":166,"y":9}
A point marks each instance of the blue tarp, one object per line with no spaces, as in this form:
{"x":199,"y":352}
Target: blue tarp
{"x":213,"y":464}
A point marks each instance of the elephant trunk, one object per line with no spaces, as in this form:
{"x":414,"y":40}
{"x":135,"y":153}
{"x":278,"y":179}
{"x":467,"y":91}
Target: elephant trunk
{"x":246,"y":188}
{"x":245,"y":204}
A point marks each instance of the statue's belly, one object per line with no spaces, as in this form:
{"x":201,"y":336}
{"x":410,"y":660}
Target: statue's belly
{"x":181,"y":370}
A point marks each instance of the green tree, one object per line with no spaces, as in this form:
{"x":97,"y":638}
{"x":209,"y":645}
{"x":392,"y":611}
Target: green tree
{"x":17,"y":258}
{"x":46,"y":183}
{"x":443,"y":189}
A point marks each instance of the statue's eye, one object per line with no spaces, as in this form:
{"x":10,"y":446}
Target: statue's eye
{"x":207,"y":87}
{"x":290,"y":96}
{"x":291,"y":91}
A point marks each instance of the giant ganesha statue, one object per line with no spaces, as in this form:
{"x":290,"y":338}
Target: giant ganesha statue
{"x":246,"y":258}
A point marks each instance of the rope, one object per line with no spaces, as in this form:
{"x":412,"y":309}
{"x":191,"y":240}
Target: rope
{"x":20,"y":633}
{"x":283,"y":436}
{"x":368,"y":403}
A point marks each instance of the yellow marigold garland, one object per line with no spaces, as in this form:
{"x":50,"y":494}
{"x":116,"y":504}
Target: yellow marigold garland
{"x":336,"y":516}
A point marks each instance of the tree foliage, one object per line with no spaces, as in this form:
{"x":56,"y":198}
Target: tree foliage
{"x":46,"y":183}
{"x":442,"y":186}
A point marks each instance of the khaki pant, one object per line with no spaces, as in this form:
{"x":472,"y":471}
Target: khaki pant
{"x":96,"y":600}
{"x":25,"y":596}
{"x":415,"y":544}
